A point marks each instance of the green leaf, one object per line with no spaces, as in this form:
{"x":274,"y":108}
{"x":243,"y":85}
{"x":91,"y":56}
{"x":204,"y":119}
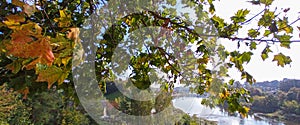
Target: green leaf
{"x":171,"y":2}
{"x":282,"y":59}
{"x":266,"y":19}
{"x":267,"y":33}
{"x":219,"y":22}
{"x":249,"y":78}
{"x":284,"y":40}
{"x":266,"y":2}
{"x":231,"y":81}
{"x":283,"y":25}
{"x":253,"y":33}
{"x":51,"y":75}
{"x":240,"y":16}
{"x":246,"y":57}
{"x":253,"y":45}
{"x":264,"y":54}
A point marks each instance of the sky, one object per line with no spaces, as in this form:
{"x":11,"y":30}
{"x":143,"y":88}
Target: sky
{"x":264,"y":70}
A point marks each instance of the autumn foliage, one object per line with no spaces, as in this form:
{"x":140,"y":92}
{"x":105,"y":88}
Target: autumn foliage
{"x":38,"y":39}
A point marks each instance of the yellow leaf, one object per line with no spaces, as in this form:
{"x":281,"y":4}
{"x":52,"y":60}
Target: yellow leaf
{"x":32,"y":29}
{"x":64,"y":20}
{"x":57,"y":61}
{"x":11,"y":24}
{"x":62,"y":14}
{"x":13,"y":21}
{"x":246,"y":109}
{"x":65,"y":60}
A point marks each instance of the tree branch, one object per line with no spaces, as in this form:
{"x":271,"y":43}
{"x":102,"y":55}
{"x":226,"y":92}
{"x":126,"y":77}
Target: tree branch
{"x":253,"y":17}
{"x":261,"y":40}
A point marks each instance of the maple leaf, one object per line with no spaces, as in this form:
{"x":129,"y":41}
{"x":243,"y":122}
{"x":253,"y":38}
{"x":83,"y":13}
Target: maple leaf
{"x":42,"y":50}
{"x":19,"y":45}
{"x":17,"y":3}
{"x":27,"y":42}
{"x":32,"y":29}
{"x":13,"y":21}
{"x":20,"y":37}
{"x":51,"y":75}
{"x":282,"y":59}
{"x":46,"y":55}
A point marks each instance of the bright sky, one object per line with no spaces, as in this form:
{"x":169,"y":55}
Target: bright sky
{"x":264,"y":70}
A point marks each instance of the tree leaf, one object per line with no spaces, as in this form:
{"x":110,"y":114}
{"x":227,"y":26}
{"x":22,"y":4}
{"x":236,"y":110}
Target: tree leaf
{"x":245,"y":57}
{"x":284,"y":40}
{"x":18,"y":3}
{"x":284,"y":26}
{"x":13,"y":21}
{"x":266,"y":2}
{"x":240,"y":16}
{"x":22,"y":46}
{"x":51,"y":75}
{"x":282,"y":59}
{"x":249,"y":78}
{"x":253,"y":33}
{"x":267,"y":33}
{"x":264,"y":54}
{"x":253,"y":45}
{"x":64,"y":20}
{"x":266,"y":19}
{"x":212,"y":8}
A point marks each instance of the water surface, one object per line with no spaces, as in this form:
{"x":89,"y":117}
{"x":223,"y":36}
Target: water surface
{"x":193,"y":106}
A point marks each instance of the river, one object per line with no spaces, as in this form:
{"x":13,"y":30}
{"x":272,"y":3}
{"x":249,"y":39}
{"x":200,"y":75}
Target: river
{"x":193,"y":106}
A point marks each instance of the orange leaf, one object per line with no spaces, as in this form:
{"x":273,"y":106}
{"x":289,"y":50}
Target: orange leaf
{"x":46,"y":55}
{"x":32,"y":64}
{"x":23,"y":45}
{"x":13,"y":21}
{"x":20,"y":37}
{"x":15,"y":18}
{"x":17,"y":3}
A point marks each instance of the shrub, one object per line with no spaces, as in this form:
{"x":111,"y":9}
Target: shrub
{"x":12,"y":109}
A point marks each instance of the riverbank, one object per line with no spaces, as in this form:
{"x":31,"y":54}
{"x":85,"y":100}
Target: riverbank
{"x":289,"y":119}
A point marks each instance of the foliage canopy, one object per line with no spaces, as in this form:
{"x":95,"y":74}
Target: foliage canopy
{"x":37,"y":39}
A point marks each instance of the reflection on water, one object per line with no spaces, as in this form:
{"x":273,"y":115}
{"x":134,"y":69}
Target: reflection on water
{"x":192,"y":105}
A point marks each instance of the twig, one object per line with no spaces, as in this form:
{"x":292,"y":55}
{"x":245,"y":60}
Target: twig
{"x":261,"y":40}
{"x":253,"y":17}
{"x":165,"y":53}
{"x":51,"y":25}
